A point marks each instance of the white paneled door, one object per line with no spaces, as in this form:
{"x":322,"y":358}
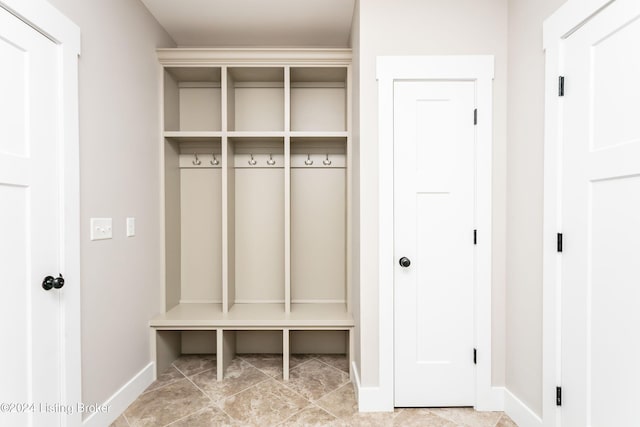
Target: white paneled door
{"x":29,"y":226}
{"x":600,"y":291}
{"x":434,"y":216}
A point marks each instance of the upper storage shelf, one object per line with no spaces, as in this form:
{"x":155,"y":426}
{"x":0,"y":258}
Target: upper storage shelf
{"x":192,"y":99}
{"x":255,"y":99}
{"x":318,"y":99}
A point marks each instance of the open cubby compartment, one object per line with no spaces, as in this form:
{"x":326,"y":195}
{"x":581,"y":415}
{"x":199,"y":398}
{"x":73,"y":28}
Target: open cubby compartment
{"x":255,"y":99}
{"x":192,"y":99}
{"x":318,"y":222}
{"x":331,"y":346}
{"x":318,"y":99}
{"x":262,"y":348}
{"x":193,"y":221}
{"x":169,"y":345}
{"x":255,"y":203}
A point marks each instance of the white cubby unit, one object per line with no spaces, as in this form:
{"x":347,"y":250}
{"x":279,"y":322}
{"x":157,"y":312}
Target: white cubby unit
{"x":256,"y":156}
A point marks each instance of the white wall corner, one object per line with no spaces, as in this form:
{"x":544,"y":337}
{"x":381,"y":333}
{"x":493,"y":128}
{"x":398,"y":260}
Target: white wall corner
{"x":122,"y":398}
{"x":370,"y":399}
{"x":491,"y":400}
{"x":520,"y":413}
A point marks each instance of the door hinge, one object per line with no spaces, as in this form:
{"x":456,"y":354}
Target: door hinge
{"x":475,"y":356}
{"x":558,"y":396}
{"x":475,"y":116}
{"x":559,"y":242}
{"x":561,"y":86}
{"x":475,"y":237}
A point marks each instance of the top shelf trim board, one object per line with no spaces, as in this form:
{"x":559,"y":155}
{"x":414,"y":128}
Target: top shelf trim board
{"x":234,"y":56}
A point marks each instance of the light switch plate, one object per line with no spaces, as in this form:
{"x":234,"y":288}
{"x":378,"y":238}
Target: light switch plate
{"x":101,"y":228}
{"x":131,"y":227}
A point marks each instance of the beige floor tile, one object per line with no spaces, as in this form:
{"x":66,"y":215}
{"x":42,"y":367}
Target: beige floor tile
{"x":370,"y":419}
{"x":339,"y":361}
{"x":169,"y":376}
{"x":505,"y":421}
{"x":312,"y":416}
{"x":270,"y":364}
{"x":299,"y":359}
{"x":468,"y":417}
{"x":211,"y":416}
{"x":265,"y":404}
{"x":314,"y":379}
{"x":167,"y":404}
{"x":341,"y":403}
{"x":120,"y":422}
{"x":239,"y":376}
{"x":192,"y":364}
{"x":421,"y":417}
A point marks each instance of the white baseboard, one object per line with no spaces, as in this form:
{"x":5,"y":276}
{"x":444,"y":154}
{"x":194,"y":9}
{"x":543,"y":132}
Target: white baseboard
{"x":519,"y":412}
{"x":370,"y":399}
{"x":122,"y":398}
{"x":493,"y":400}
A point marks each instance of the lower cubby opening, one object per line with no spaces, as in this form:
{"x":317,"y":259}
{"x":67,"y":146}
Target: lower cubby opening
{"x":275,"y":352}
{"x":170,"y":345}
{"x":263,"y":349}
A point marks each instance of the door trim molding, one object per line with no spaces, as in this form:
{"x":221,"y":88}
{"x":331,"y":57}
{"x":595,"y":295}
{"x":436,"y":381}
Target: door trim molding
{"x":46,"y":19}
{"x":480,"y":69}
{"x":556,"y":29}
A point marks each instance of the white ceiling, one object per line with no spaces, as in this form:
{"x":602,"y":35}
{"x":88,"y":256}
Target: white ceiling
{"x":252,"y":23}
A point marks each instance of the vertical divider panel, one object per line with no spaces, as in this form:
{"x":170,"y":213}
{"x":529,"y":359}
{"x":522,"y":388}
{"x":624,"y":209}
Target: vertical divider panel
{"x":219,"y":355}
{"x":287,"y":98}
{"x":228,"y":101}
{"x":287,"y":190}
{"x":286,"y":352}
{"x":349,"y":194}
{"x":228,"y":198}
{"x":228,"y":233}
{"x":287,"y":224}
{"x":228,"y":351}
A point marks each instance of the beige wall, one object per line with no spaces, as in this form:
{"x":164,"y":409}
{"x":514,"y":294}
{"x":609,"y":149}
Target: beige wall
{"x":524,"y":199}
{"x":119,"y":172}
{"x":427,"y":27}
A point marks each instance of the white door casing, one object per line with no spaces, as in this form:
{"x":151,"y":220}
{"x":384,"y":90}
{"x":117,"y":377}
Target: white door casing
{"x":434,"y":196}
{"x":39,"y":195}
{"x":474,"y":68}
{"x":598,"y":212}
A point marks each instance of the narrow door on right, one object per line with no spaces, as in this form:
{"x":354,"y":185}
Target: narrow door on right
{"x":600,"y":286}
{"x":434,"y":211}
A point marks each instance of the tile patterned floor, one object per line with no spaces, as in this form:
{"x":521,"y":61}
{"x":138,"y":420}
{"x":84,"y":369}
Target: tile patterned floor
{"x":253,"y":394}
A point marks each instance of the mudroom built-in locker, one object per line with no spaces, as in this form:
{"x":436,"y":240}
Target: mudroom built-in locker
{"x":256,"y":154}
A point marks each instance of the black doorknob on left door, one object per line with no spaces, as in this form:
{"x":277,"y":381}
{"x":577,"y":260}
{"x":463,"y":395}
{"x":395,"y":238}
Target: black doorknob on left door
{"x":51,"y":282}
{"x":405,"y":262}
{"x":58,"y":282}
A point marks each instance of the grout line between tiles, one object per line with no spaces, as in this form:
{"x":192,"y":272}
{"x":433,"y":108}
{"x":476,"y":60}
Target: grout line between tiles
{"x":269,"y":375}
{"x":291,"y":416}
{"x":322,"y":361}
{"x":125,"y":419}
{"x":337,"y":388}
{"x":327,"y":411}
{"x":193,"y":375}
{"x":304,"y":363}
{"x":164,"y":385}
{"x":282,"y":383}
{"x":186,"y":416}
{"x":213,"y":401}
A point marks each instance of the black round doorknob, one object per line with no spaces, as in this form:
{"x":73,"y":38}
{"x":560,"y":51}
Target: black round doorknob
{"x":51,"y":282}
{"x":405,"y":262}
{"x":47,"y":283}
{"x":58,"y":282}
